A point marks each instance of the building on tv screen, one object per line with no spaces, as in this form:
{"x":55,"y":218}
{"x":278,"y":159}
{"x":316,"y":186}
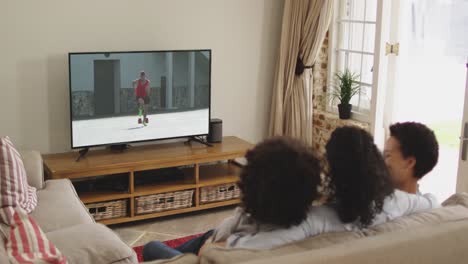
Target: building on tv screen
{"x":128,"y":97}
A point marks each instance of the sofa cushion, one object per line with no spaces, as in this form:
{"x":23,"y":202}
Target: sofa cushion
{"x":27,"y":243}
{"x":14,"y":188}
{"x":457,"y":199}
{"x":455,"y":208}
{"x":214,"y":254}
{"x":445,"y":243}
{"x":91,"y":243}
{"x":59,"y":206}
{"x":34,"y":168}
{"x":432,"y":217}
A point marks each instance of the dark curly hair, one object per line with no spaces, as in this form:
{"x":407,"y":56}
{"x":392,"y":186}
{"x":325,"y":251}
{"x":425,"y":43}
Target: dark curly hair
{"x":358,"y":177}
{"x":279,"y":182}
{"x":418,"y":141}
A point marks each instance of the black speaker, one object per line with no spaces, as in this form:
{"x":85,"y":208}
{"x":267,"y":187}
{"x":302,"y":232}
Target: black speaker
{"x":215,"y":134}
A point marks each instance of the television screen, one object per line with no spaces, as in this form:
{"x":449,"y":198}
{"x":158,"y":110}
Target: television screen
{"x":122,"y":97}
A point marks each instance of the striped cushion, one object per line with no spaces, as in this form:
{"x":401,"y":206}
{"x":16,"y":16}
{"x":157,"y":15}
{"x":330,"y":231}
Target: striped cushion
{"x":26,"y":243}
{"x":14,"y":188}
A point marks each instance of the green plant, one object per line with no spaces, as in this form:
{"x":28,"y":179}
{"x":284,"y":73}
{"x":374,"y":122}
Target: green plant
{"x":346,"y":86}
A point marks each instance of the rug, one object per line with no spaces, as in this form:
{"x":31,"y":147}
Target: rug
{"x":171,"y":243}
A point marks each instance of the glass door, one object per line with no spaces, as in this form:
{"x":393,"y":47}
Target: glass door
{"x":426,"y":80}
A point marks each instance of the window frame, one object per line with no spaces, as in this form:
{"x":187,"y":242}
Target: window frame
{"x":333,"y":42}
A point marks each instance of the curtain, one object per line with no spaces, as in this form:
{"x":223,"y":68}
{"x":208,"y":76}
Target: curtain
{"x":305,"y":24}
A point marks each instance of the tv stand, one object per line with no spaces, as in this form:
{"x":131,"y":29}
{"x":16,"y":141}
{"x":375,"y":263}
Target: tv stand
{"x":203,"y":169}
{"x":82,"y":153}
{"x":199,"y":140}
{"x":119,"y":147}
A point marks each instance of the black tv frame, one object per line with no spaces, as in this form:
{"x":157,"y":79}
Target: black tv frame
{"x":137,"y":141}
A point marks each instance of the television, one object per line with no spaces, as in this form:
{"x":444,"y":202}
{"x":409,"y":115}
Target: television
{"x":126,"y":97}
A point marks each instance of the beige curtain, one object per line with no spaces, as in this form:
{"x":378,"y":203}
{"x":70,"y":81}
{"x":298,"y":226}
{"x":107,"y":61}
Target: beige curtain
{"x":305,"y":24}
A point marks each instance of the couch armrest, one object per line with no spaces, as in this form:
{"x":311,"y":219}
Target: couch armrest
{"x":90,"y":244}
{"x":34,"y":168}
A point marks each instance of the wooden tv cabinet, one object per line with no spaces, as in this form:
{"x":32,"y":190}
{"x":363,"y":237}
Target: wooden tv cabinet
{"x":203,"y":166}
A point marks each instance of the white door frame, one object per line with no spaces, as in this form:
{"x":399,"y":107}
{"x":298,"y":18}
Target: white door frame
{"x":462,"y":177}
{"x":379,"y":81}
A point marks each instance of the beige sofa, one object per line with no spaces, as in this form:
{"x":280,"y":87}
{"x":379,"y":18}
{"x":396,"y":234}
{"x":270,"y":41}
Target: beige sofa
{"x":436,"y":236}
{"x":67,"y":223}
{"x":446,"y":243}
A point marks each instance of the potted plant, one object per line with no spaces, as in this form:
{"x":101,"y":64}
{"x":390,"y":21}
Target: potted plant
{"x":344,"y":89}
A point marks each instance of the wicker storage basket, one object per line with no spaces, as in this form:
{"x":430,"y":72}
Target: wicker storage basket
{"x":163,"y":202}
{"x":107,"y":210}
{"x":222,"y":192}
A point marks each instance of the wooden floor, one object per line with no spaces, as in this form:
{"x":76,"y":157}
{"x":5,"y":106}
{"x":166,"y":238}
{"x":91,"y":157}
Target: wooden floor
{"x":171,"y":227}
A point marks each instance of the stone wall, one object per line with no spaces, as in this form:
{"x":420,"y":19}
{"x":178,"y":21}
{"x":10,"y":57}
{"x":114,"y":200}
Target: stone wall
{"x":82,"y":104}
{"x":182,"y":99}
{"x":324,"y":122}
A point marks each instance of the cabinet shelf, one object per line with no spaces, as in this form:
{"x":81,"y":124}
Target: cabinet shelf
{"x":93,"y":197}
{"x":183,"y":182}
{"x":142,"y":160}
{"x":170,"y":212}
{"x":219,"y":174}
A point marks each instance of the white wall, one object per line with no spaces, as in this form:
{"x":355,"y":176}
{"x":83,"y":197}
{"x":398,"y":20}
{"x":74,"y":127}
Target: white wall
{"x":35,"y":37}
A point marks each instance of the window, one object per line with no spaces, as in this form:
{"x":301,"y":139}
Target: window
{"x":352,"y":46}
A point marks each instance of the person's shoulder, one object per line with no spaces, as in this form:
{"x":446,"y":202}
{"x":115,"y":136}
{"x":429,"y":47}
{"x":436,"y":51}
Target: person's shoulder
{"x":323,"y":218}
{"x":394,"y":199}
{"x":431,"y":197}
{"x":322,"y":209}
{"x":322,"y":213}
{"x":398,"y":196}
{"x":427,"y":198}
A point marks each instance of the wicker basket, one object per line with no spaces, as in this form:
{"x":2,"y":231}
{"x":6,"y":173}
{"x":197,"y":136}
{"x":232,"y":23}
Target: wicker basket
{"x":163,"y":202}
{"x":223,"y":192}
{"x":107,"y":210}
